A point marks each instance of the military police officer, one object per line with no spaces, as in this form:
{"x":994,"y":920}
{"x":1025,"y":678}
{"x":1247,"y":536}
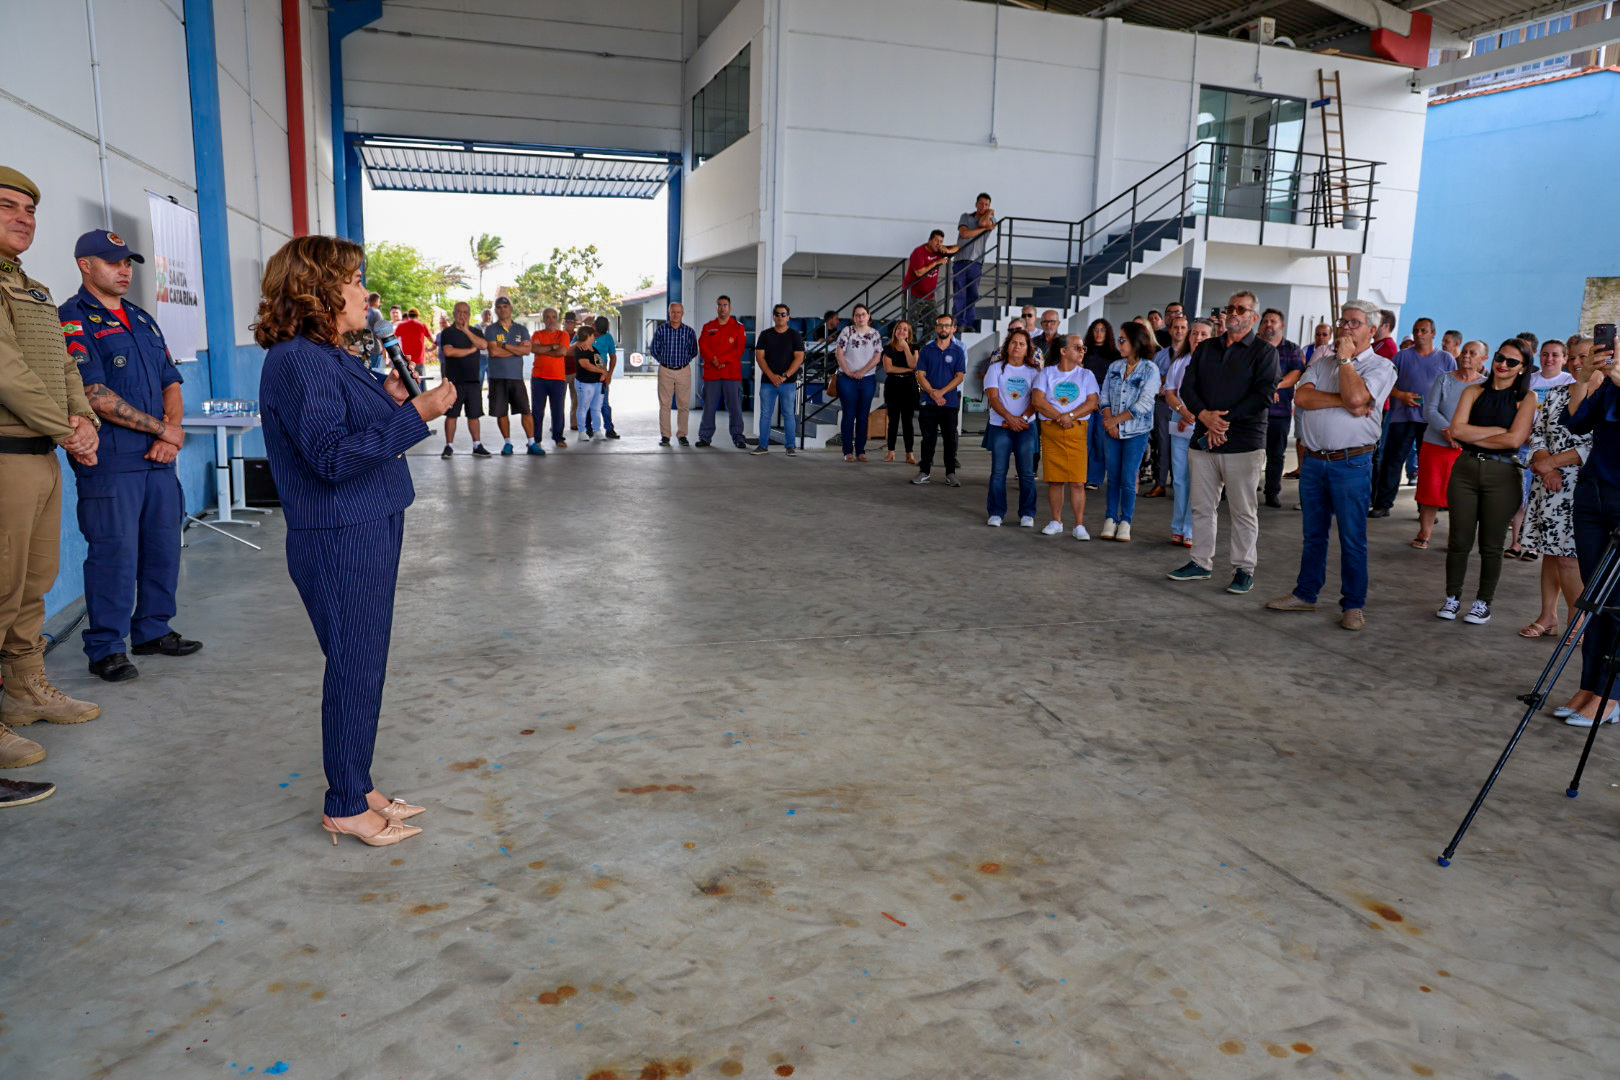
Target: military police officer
{"x":42,"y":406}
{"x":130,"y":507}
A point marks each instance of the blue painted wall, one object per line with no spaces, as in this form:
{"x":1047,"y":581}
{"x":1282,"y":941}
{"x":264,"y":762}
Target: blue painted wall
{"x":1517,"y":208}
{"x":196,"y":465}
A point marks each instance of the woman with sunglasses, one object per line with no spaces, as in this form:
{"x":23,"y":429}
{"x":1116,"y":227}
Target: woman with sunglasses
{"x":1492,"y":421}
{"x":859,"y":350}
{"x":1128,"y":395}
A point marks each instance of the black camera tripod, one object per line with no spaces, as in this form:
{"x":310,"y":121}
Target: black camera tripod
{"x":1596,"y":598}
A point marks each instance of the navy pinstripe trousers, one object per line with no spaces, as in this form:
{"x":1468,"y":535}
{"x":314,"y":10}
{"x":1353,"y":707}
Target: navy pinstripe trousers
{"x":346,"y":577}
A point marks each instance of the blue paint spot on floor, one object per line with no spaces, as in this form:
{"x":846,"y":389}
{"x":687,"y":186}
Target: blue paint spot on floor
{"x":792,"y":812}
{"x":294,"y":775}
{"x":277,"y":1069}
{"x":283,"y":785}
{"x":508,"y":854}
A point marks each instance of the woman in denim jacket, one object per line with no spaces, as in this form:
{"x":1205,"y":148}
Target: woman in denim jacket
{"x":1128,"y":395}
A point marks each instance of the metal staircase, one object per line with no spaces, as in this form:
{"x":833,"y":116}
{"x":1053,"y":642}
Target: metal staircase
{"x":1072,"y":265}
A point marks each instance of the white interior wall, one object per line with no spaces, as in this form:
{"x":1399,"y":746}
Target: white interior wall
{"x":887,"y":120}
{"x":47,"y":110}
{"x":722,"y":200}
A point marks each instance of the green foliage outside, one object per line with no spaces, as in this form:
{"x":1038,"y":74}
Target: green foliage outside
{"x":569,"y":279}
{"x":403,"y":276}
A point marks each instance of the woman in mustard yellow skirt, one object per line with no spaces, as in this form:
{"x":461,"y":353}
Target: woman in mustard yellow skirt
{"x":1066,"y":399}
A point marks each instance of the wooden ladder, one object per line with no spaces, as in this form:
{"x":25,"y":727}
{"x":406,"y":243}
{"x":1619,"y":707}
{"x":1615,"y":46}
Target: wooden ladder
{"x":1337,"y":207}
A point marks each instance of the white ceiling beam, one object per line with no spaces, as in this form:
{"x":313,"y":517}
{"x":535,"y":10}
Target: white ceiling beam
{"x":1580,"y":39}
{"x":1377,"y":14}
{"x":1381,"y":15}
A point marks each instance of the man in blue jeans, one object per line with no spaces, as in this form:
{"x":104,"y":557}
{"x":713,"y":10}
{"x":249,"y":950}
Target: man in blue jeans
{"x":972,"y":230}
{"x":779,"y":353}
{"x":1340,"y":401}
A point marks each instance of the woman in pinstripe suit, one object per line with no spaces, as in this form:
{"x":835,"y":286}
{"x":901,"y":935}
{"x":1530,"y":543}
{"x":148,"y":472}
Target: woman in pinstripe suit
{"x":336,"y":438}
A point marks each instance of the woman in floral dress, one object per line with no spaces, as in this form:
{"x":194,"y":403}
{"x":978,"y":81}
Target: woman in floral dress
{"x":1556,"y":454}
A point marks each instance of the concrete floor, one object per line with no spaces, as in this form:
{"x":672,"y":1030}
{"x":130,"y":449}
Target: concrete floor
{"x":761,"y":768}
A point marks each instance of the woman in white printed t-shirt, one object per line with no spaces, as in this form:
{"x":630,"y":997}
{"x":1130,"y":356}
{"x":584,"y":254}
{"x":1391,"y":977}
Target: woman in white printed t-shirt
{"x":1066,"y":396}
{"x":860,"y":348}
{"x":1181,"y":432}
{"x":1009,"y":384}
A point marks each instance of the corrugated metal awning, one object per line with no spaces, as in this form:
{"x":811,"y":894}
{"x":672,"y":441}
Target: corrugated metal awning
{"x":394,"y":164}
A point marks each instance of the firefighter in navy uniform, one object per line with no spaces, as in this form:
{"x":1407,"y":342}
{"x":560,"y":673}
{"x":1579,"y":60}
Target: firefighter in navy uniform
{"x":130,"y":507}
{"x":42,"y":406}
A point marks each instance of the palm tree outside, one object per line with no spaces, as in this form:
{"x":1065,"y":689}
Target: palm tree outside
{"x":486,"y":252}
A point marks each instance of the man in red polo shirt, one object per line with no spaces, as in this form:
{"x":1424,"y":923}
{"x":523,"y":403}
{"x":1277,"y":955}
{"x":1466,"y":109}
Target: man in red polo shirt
{"x":722,"y":345}
{"x":922,"y":278}
{"x":413,"y":338}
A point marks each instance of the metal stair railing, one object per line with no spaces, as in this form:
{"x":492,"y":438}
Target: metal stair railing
{"x":1052,"y":263}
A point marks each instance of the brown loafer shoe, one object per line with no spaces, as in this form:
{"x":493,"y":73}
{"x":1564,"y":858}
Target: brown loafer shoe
{"x":23,"y":792}
{"x":16,"y":751}
{"x":1353,"y":619}
{"x":1289,"y":602}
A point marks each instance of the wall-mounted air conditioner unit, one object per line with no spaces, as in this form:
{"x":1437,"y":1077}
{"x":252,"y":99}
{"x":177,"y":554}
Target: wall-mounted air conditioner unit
{"x":1263,"y":30}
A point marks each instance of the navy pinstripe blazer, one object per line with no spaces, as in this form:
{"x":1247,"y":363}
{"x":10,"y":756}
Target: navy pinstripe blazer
{"x":335,"y":438}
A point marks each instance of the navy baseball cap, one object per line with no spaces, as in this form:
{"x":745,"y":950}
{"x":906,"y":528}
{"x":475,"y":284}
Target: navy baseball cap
{"x":106,"y":245}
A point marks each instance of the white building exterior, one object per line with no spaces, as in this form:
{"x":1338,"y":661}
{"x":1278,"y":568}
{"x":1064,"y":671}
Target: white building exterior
{"x":870,"y":124}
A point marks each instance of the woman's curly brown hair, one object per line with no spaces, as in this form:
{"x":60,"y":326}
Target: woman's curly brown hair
{"x":303,"y":289}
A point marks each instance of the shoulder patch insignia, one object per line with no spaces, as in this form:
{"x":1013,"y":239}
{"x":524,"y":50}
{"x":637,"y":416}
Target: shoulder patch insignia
{"x":119,"y":361}
{"x":72,"y":328}
{"x":39,"y":294}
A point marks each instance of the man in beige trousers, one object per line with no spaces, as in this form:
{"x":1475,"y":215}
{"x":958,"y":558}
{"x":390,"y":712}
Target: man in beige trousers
{"x":42,"y":406}
{"x":674,"y":345}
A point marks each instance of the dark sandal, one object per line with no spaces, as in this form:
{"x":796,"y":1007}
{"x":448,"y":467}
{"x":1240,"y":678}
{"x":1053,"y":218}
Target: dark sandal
{"x":1420,"y":542}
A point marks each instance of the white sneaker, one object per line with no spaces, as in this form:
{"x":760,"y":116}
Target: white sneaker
{"x":1109,"y":528}
{"x":1449,"y":609}
{"x":1026,"y":522}
{"x":995,"y":521}
{"x":1080,"y":533}
{"x":1479,"y":613}
{"x":1123,"y":533}
{"x":1052,"y":528}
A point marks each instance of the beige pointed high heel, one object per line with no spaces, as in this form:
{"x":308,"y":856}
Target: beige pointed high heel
{"x":399,"y":810}
{"x":392,"y":833}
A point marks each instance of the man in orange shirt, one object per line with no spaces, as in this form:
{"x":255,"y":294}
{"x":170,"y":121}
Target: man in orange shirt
{"x":722,"y":345}
{"x":550,"y":375}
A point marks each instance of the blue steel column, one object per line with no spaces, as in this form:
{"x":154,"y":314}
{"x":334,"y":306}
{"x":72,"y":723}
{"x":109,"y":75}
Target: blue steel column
{"x":208,"y":149}
{"x":355,"y":186}
{"x":343,"y":19}
{"x":674,"y":272}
